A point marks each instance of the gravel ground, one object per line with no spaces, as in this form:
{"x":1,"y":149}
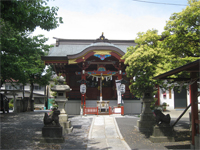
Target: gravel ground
{"x":23,"y":130}
{"x":137,"y":140}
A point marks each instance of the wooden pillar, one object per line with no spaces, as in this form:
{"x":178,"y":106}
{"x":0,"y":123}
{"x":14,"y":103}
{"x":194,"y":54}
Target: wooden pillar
{"x":119,"y":77}
{"x":83,"y":76}
{"x":120,"y":71}
{"x":84,"y":100}
{"x":158,"y":96}
{"x":194,"y":106}
{"x":190,"y":94}
{"x":101,"y":97}
{"x":119,"y":74}
{"x":67,"y":75}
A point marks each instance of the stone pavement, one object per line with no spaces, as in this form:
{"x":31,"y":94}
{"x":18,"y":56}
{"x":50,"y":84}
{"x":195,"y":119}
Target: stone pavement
{"x":175,"y":113}
{"x":20,"y":131}
{"x":104,"y":134}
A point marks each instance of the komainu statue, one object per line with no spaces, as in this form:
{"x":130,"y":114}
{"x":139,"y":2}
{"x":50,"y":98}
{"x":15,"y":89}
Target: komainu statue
{"x":162,"y":119}
{"x":52,"y":120}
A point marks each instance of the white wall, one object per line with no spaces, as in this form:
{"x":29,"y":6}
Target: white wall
{"x":170,"y":102}
{"x":166,"y":99}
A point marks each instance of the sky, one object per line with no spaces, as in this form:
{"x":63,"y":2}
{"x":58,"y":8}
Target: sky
{"x":117,"y":19}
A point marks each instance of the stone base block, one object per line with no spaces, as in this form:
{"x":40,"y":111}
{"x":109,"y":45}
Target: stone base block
{"x":66,"y":127}
{"x":163,"y":131}
{"x":161,"y":139}
{"x":52,"y":132}
{"x":68,"y":130}
{"x":66,"y":124}
{"x":63,"y":118}
{"x":52,"y":140}
{"x":162,"y":134}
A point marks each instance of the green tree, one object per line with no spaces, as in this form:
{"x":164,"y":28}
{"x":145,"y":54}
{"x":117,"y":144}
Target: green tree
{"x":145,"y":61}
{"x":182,"y":34}
{"x":18,"y":20}
{"x":33,"y":67}
{"x":154,"y":54}
{"x":26,"y":15}
{"x":21,"y":53}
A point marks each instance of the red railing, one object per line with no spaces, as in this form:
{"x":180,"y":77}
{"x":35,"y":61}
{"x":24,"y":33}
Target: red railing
{"x":94,"y":110}
{"x":90,"y":110}
{"x":116,"y":110}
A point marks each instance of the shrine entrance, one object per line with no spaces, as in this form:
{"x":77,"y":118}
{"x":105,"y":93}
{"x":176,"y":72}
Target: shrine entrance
{"x":93,"y":89}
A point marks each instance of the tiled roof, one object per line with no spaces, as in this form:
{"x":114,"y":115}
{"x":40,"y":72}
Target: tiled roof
{"x":70,"y":49}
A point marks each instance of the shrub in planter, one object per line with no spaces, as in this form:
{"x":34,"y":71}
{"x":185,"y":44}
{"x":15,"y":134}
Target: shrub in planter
{"x":10,"y":106}
{"x":11,"y":101}
{"x":164,"y":105}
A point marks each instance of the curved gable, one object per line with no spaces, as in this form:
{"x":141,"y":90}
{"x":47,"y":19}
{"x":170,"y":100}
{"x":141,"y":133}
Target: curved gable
{"x":96,"y":49}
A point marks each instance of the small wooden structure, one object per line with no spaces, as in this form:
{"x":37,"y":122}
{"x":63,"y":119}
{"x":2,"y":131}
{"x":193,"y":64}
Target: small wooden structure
{"x":194,"y":69}
{"x":103,"y":106}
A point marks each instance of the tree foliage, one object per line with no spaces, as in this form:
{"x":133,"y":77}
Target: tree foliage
{"x":144,"y":62}
{"x":155,"y":54}
{"x":18,"y":20}
{"x":27,"y":15}
{"x":182,"y":34}
{"x":21,"y":53}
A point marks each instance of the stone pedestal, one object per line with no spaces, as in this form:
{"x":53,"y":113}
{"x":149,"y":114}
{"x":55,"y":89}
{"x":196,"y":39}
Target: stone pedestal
{"x":63,"y":117}
{"x":162,"y":134}
{"x":147,"y":119}
{"x":65,"y":123}
{"x":52,"y":134}
{"x":61,"y":101}
{"x":146,"y":122}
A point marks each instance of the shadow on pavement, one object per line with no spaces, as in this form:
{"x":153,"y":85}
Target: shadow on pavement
{"x":22,"y":131}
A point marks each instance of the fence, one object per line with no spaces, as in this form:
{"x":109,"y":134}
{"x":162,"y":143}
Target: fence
{"x":116,"y":110}
{"x":94,"y":110}
{"x":90,"y":110}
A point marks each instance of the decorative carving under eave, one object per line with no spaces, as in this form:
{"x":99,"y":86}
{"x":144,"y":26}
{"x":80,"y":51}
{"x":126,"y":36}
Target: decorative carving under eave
{"x":72,"y":61}
{"x":102,"y":52}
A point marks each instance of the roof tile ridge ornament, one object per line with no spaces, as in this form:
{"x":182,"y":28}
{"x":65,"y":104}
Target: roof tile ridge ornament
{"x":102,"y":39}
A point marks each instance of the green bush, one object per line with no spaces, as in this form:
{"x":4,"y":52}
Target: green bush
{"x":54,"y":104}
{"x":11,"y":101}
{"x":10,"y":105}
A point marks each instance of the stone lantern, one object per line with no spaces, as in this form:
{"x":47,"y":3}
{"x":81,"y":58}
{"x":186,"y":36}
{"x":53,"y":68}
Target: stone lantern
{"x":147,"y":119}
{"x":61,"y":100}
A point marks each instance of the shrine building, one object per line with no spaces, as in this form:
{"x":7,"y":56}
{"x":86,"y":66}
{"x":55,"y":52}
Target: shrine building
{"x":96,"y":63}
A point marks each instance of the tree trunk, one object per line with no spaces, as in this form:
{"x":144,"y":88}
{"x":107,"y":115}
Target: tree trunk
{"x":1,"y":83}
{"x":30,"y":97}
{"x":23,"y":90}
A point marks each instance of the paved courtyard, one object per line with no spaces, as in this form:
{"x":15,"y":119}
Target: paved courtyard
{"x":21,"y":131}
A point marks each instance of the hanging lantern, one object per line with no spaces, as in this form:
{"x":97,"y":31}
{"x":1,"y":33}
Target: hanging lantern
{"x":82,"y":88}
{"x":122,"y":88}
